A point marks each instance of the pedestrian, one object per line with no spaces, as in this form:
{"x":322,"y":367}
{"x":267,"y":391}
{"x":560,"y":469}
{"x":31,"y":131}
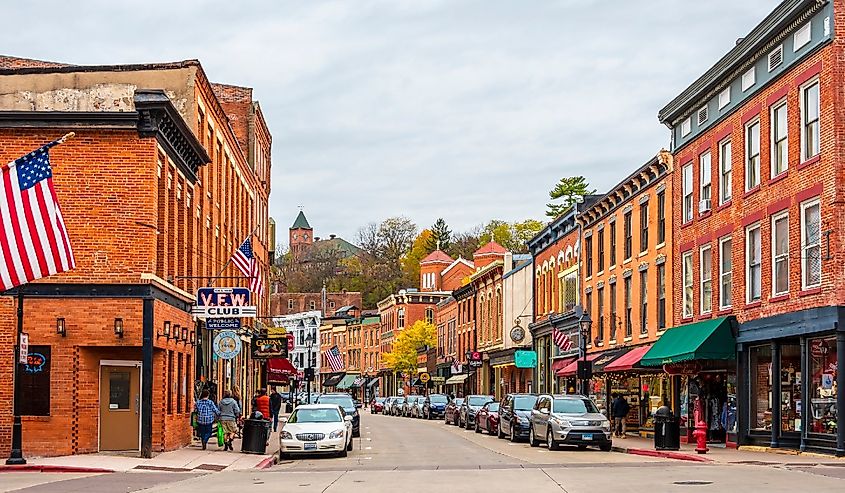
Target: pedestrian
{"x":620,"y":409}
{"x":230,"y":411}
{"x":207,"y":413}
{"x":262,"y":403}
{"x":275,"y":406}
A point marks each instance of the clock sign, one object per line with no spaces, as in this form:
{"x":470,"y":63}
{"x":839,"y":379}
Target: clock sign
{"x":517,"y":334}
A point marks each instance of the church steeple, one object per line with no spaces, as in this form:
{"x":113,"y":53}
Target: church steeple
{"x":300,"y":235}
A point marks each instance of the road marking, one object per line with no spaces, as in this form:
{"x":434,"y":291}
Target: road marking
{"x":368,"y":448}
{"x":369,"y":439}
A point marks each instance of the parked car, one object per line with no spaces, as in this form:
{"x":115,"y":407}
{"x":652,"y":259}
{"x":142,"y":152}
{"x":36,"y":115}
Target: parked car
{"x":408,"y":406}
{"x":303,"y":398}
{"x":515,"y":416}
{"x":315,"y":429}
{"x":396,"y":407}
{"x":434,"y":406}
{"x":568,"y":420}
{"x":487,"y":418}
{"x":347,"y":404}
{"x":471,"y":406}
{"x":417,"y":407}
{"x":377,"y":405}
{"x":451,"y":414}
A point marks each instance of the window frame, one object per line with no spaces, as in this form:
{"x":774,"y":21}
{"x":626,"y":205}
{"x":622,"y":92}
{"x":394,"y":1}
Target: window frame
{"x":748,"y":262}
{"x":705,"y":173}
{"x":686,"y":127}
{"x":588,"y":254}
{"x":798,"y":43}
{"x":644,"y":301}
{"x":782,"y":257}
{"x":815,"y":81}
{"x":612,"y":226}
{"x":774,"y":140}
{"x":726,"y":93}
{"x":600,"y":250}
{"x":644,"y":227}
{"x":661,"y":296}
{"x":750,"y":157}
{"x":705,"y":303}
{"x":687,"y":272}
{"x":723,"y":273}
{"x":725,"y":171}
{"x":628,"y":231}
{"x":600,"y":310}
{"x":805,"y":246}
{"x":661,"y":217}
{"x":628,"y":287}
{"x":687,"y":192}
{"x":749,"y":76}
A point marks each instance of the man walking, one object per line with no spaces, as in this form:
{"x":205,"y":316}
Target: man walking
{"x":207,"y":412}
{"x":275,"y":406}
{"x":262,"y":404}
{"x":619,"y":410}
{"x":230,"y":411}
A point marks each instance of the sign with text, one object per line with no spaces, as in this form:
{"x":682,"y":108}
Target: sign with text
{"x":226,"y":344}
{"x":266,"y":348}
{"x":474,"y":359}
{"x":223,"y":303}
{"x":23,"y":349}
{"x":223,"y":324}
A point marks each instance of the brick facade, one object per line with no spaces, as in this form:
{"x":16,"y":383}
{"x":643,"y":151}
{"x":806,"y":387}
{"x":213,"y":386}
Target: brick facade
{"x":288,"y":303}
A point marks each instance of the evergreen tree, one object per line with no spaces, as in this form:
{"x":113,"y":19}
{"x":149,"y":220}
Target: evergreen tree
{"x":440,"y":235}
{"x":571,"y":189}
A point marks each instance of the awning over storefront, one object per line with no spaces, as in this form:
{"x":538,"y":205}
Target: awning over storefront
{"x":706,"y":340}
{"x":333,"y":379}
{"x":457,"y":379}
{"x":358,"y":383}
{"x":279,"y":370}
{"x":605,"y":358}
{"x":560,"y":364}
{"x":373,"y":382}
{"x":572,"y":367}
{"x":346,"y":382}
{"x":629,"y":360}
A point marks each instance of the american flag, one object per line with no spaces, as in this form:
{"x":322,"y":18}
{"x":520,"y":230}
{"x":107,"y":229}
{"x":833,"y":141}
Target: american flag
{"x":246,"y":262}
{"x":562,"y":340}
{"x":334,"y":358}
{"x":33,"y":239}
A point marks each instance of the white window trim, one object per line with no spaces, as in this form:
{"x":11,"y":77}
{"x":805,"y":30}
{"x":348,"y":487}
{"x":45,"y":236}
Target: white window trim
{"x":804,"y":260}
{"x":776,"y":217}
{"x":802,"y":112}
{"x":722,"y":273}
{"x":685,"y":218}
{"x":746,"y":146}
{"x":748,"y":231}
{"x":684,"y":286}
{"x":725,"y":97}
{"x":702,"y":280}
{"x":686,"y":127}
{"x":797,"y":43}
{"x":701,"y":183}
{"x":772,"y":138}
{"x":750,"y":74}
{"x":722,"y":198}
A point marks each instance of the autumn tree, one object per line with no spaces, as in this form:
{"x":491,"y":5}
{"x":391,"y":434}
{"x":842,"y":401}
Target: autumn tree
{"x":403,"y":358}
{"x":571,"y":189}
{"x":513,"y":236}
{"x":411,"y":261}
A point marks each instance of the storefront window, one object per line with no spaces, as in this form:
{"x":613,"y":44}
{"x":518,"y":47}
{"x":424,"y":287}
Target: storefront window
{"x":729,"y":421}
{"x":823,"y":367}
{"x":790,"y":387}
{"x":655,"y":393}
{"x":760,"y":385}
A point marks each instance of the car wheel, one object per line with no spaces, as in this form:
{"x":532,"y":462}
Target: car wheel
{"x":499,"y":434}
{"x":349,"y":447}
{"x":512,"y":435}
{"x":477,"y":428}
{"x":550,"y":440}
{"x":468,"y":424}
{"x":343,"y":453}
{"x":490,"y":429}
{"x":605,"y":447}
{"x":532,"y":440}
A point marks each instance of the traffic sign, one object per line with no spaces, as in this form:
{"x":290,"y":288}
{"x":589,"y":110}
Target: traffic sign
{"x":425,"y":377}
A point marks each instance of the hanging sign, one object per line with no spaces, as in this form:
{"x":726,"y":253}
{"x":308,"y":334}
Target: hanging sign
{"x":223,"y":303}
{"x":265,"y":348}
{"x":424,"y":377}
{"x":223,"y":324}
{"x":475,"y":359}
{"x":23,"y":349}
{"x":226,"y":344}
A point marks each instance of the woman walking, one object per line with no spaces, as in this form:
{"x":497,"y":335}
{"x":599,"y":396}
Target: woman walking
{"x":230,"y":411}
{"x":207,"y":413}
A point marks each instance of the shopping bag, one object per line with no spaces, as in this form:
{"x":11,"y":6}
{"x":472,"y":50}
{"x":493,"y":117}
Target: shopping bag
{"x":194,"y":419}
{"x":220,"y":435}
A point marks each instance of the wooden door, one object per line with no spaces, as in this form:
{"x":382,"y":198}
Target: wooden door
{"x":120,"y":407}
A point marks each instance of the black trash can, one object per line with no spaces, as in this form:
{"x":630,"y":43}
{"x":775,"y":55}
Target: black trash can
{"x":667,"y":433}
{"x":255,"y":433}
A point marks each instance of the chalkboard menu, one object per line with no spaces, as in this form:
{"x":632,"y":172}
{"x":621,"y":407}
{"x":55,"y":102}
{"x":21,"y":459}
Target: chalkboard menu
{"x":32,"y":391}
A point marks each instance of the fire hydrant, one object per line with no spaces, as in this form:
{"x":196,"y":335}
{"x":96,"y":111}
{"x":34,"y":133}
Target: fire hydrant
{"x":700,"y":433}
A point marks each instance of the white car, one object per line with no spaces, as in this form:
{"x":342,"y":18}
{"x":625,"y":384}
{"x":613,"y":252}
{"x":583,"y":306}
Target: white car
{"x":316,"y":429}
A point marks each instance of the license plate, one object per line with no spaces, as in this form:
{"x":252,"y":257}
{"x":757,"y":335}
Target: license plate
{"x":311,"y":446}
{"x":587,"y":436}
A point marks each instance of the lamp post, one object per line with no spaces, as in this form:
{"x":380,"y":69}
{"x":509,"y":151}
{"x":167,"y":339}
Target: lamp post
{"x":585,"y":322}
{"x":309,"y":374}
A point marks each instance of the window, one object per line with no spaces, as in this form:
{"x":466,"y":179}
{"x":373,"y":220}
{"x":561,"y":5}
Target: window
{"x":612,"y":226}
{"x":589,"y":303}
{"x":429,"y":315}
{"x":171,"y":389}
{"x":628,"y":305}
{"x":331,"y":304}
{"x":725,"y":273}
{"x":686,"y":127}
{"x":725,"y":168}
{"x":661,"y":217}
{"x":644,"y":302}
{"x":290,"y":304}
{"x":760,"y":363}
{"x":687,"y":190}
{"x":588,"y":254}
{"x":312,"y":305}
{"x":811,"y":259}
{"x":702,"y":115}
{"x":748,"y":79}
{"x":600,"y":310}
{"x":661,"y":296}
{"x":775,"y":58}
{"x":780,"y":254}
{"x":725,"y":97}
{"x":810,"y":131}
{"x":752,"y":153}
{"x":600,"y":259}
{"x":823,"y":359}
{"x":644,"y":227}
{"x":705,"y":277}
{"x":570,"y":291}
{"x":628,"y":233}
{"x":32,"y":389}
{"x":801,"y":37}
{"x":613,"y":320}
{"x":400,"y":318}
{"x":780,"y":148}
{"x":705,"y":181}
{"x":752,"y":264}
{"x":687,"y":276}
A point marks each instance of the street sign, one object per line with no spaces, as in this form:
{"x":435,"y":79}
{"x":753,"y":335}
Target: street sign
{"x":23,"y":350}
{"x":438,"y":380}
{"x":424,"y":377}
{"x":265,"y":348}
{"x":223,"y":303}
{"x":226,"y":344}
{"x":223,"y":324}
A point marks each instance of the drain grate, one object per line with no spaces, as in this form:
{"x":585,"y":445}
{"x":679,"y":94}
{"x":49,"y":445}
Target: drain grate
{"x":692,"y":483}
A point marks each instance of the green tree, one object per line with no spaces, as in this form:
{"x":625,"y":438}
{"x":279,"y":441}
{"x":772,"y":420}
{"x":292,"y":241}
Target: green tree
{"x":570,"y":189}
{"x":513,"y":236}
{"x":441,"y":236}
{"x":403,"y":358}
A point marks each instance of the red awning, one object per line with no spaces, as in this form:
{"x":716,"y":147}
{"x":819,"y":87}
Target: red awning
{"x":279,"y":370}
{"x":572,"y":367}
{"x":561,"y":363}
{"x":628,"y":360}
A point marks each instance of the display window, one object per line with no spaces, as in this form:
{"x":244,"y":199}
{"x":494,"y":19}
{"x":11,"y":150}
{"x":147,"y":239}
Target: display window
{"x":656,"y":392}
{"x":760,"y":403}
{"x":823,"y":368}
{"x":790,"y":387}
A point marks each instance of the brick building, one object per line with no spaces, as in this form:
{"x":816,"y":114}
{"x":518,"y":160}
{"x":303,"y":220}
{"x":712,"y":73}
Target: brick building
{"x":759,"y":229}
{"x":446,"y":318}
{"x":157,"y":189}
{"x":288,"y":303}
{"x":487,"y":285}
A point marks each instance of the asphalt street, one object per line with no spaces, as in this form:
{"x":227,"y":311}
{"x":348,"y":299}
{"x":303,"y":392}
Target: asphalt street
{"x":403,"y":454}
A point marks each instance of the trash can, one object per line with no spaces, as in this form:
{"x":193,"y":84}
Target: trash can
{"x":255,"y":433}
{"x":667,"y":433}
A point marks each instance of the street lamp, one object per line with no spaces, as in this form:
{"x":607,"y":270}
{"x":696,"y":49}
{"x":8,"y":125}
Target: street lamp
{"x":309,"y":374}
{"x":585,"y":322}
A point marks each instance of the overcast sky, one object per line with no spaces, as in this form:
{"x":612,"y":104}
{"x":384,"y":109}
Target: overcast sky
{"x":465,"y":109}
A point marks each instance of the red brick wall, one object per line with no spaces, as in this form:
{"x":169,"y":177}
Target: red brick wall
{"x":453,"y":279}
{"x":279,"y":302}
{"x":546,"y":285}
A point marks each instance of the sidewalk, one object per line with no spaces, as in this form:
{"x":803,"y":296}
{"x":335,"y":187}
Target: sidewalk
{"x":723,"y":455}
{"x":187,"y":459}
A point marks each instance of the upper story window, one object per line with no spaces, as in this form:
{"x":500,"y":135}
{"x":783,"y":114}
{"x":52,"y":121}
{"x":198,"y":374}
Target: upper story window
{"x":429,"y":315}
{"x":780,"y":147}
{"x":628,"y":307}
{"x":312,"y":305}
{"x":725,"y":273}
{"x":628,"y":235}
{"x":748,"y":79}
{"x":290,"y":304}
{"x":725,"y":97}
{"x":780,"y":254}
{"x":600,"y":256}
{"x":400,"y":314}
{"x":686,"y":267}
{"x":801,"y":37}
{"x":687,"y":191}
{"x":661,"y":296}
{"x":752,"y":155}
{"x":644,"y":302}
{"x":810,"y":130}
{"x":702,"y":115}
{"x":588,"y":254}
{"x":753,"y":272}
{"x":811,"y":259}
{"x":725,"y":171}
{"x":705,"y":181}
{"x":661,"y":217}
{"x":612,"y":226}
{"x":570,"y":291}
{"x":644,"y":227}
{"x":705,"y":271}
{"x":686,"y":127}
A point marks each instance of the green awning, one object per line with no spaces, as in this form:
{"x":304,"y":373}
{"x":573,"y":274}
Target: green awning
{"x":347,"y":382}
{"x":705,"y":340}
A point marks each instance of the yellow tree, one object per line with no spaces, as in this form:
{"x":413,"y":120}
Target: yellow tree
{"x":403,"y":358}
{"x":418,"y":251}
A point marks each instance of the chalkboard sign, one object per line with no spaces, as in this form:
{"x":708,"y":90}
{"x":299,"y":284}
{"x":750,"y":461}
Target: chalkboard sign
{"x":32,"y":391}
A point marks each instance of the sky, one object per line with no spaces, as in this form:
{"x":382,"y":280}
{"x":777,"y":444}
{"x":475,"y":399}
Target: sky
{"x":468,"y":110}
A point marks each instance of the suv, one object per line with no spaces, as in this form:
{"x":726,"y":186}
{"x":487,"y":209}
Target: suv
{"x":347,"y":404}
{"x":396,"y":406}
{"x":435,"y":406}
{"x":568,"y":420}
{"x":471,"y":406}
{"x":515,"y":415}
{"x":408,"y":406}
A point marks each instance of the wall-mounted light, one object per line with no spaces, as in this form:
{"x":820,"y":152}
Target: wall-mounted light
{"x":176,"y":332}
{"x":165,"y":332}
{"x":60,"y":327}
{"x":193,"y":338}
{"x":185,"y":335}
{"x":118,"y":327}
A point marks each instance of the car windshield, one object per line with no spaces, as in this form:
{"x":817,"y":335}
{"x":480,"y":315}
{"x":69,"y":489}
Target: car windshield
{"x":479,"y":400}
{"x":315,"y":416}
{"x":458,"y":401}
{"x":438,"y":399}
{"x":341,"y":400}
{"x":524,"y":402}
{"x":412,"y":399}
{"x":493,"y":407}
{"x":574,"y":406}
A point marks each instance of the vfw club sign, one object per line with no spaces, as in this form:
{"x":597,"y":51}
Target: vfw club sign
{"x":223,"y":303}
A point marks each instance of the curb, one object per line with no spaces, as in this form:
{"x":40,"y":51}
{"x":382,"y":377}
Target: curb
{"x":49,"y":468}
{"x":661,"y":453}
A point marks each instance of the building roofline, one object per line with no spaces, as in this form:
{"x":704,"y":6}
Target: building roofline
{"x":131,"y":67}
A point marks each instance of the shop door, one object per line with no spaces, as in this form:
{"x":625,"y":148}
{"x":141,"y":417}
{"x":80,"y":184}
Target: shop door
{"x":120,"y":407}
